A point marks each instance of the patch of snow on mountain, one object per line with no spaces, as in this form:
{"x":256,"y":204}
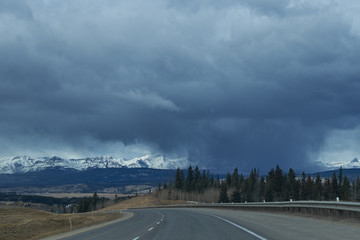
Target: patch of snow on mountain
{"x":355,"y":163}
{"x":157,"y":161}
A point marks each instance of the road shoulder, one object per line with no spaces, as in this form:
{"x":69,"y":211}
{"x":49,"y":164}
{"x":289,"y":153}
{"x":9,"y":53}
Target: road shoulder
{"x":125,"y":216}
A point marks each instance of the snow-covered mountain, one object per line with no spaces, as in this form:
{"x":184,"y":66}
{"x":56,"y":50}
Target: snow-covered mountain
{"x":22,"y":164}
{"x":355,"y":163}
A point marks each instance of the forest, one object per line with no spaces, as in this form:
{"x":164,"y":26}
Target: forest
{"x":277,"y":185}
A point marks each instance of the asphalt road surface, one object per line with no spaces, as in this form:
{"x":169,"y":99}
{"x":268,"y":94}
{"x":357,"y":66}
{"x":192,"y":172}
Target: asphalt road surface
{"x":165,"y":224}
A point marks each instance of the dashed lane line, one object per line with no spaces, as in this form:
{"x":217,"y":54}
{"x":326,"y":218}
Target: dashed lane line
{"x":151,"y":227}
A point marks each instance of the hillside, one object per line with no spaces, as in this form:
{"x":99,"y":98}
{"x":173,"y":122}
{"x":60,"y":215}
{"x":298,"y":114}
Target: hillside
{"x":351,"y":174}
{"x":36,"y":224}
{"x":90,"y":180}
{"x":147,"y":200}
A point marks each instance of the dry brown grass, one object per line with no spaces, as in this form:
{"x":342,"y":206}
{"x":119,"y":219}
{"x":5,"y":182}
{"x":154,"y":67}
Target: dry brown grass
{"x":24,"y":223}
{"x":143,"y":201}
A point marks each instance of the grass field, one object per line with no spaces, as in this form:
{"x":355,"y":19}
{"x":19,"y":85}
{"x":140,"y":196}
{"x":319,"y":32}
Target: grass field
{"x":143,"y":201}
{"x":25,"y":223}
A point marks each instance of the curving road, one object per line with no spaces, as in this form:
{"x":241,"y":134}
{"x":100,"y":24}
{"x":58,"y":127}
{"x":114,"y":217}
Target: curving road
{"x":210,"y":224}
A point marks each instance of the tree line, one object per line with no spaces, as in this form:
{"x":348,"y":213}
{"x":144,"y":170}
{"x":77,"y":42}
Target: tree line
{"x":277,"y":185}
{"x":88,"y":204}
{"x":14,"y":197}
{"x":63,"y":205}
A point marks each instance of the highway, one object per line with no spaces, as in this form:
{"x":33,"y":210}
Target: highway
{"x":190,"y":223}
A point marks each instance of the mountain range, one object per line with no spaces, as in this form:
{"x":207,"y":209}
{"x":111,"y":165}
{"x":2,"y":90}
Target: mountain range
{"x":56,"y":174}
{"x":24,"y":164}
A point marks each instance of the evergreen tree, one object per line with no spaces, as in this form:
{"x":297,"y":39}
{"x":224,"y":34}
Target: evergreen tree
{"x":278,"y":183}
{"x":353,"y":191}
{"x":217,"y":182}
{"x":208,"y":177}
{"x":236,"y":196}
{"x":179,"y":179}
{"x":94,"y":201}
{"x":177,"y":183}
{"x":357,"y":195}
{"x":228,"y":180}
{"x":340,"y":184}
{"x":224,"y":198}
{"x":245,"y":190}
{"x":269,"y":197}
{"x":340,"y":178}
{"x":269,"y":186}
{"x":189,"y":180}
{"x":334,"y":187}
{"x":253,"y":186}
{"x":308,"y":188}
{"x":212,"y":182}
{"x":303,"y":187}
{"x":262,"y":188}
{"x":197,"y":179}
{"x":318,"y":188}
{"x":241,"y":179}
{"x":297,"y":190}
{"x":346,"y":189}
{"x":204,"y":181}
{"x":327,"y":194}
{"x":291,"y":180}
{"x":235,"y":178}
{"x":170,"y":181}
{"x":84,"y":205}
{"x":182,"y":179}
{"x":285,"y":192}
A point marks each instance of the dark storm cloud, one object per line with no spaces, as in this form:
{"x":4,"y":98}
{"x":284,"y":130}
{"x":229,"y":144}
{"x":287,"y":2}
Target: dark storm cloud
{"x":236,"y":83}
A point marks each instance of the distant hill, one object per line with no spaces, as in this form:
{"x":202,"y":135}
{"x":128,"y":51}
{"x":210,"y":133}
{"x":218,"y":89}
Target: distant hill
{"x":97,"y":178}
{"x":351,"y":174}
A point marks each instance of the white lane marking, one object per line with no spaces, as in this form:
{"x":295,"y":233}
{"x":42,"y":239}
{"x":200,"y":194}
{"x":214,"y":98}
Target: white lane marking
{"x":242,"y":228}
{"x":150,"y":229}
{"x":136,"y":238}
{"x":158,"y":223}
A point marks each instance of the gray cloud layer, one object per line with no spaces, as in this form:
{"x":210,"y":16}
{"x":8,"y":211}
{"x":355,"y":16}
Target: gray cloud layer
{"x":229,"y":83}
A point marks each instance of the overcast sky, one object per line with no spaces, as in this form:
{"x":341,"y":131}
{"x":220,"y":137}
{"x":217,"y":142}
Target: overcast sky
{"x":247,"y":83}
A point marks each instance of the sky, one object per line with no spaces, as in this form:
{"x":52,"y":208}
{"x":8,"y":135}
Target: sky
{"x":246,"y":83}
